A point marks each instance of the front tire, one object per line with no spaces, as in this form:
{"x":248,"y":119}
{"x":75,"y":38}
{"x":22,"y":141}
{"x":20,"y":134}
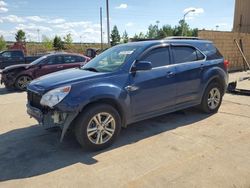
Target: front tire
{"x":212,"y":98}
{"x":97,"y":127}
{"x":22,"y":82}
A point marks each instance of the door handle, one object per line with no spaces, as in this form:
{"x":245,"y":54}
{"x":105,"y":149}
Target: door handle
{"x":170,"y":74}
{"x":131,"y":88}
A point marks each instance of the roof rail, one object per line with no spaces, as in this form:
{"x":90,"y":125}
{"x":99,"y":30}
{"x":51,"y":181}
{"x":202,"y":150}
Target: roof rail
{"x":182,"y":38}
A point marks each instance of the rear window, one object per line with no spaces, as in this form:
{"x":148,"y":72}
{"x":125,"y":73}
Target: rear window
{"x":210,"y":50}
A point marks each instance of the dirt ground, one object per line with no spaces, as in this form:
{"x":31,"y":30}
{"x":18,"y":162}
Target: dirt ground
{"x":182,"y":149}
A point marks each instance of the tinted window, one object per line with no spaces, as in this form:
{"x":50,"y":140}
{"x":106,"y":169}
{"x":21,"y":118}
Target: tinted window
{"x":80,"y":59}
{"x":183,"y":54}
{"x":16,"y":54}
{"x":59,"y":59}
{"x":210,"y":50}
{"x":50,"y":60}
{"x":158,"y":57}
{"x":70,"y":59}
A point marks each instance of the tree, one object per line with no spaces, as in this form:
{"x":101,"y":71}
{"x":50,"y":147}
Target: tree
{"x":58,"y":43}
{"x":2,"y":43}
{"x":68,"y":41}
{"x":47,"y":43}
{"x":115,"y":36}
{"x":153,"y":32}
{"x":166,"y":31}
{"x":20,"y":36}
{"x":125,"y":37}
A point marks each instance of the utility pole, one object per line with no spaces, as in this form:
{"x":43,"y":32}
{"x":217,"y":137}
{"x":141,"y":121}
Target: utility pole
{"x":101,"y":28}
{"x":108,"y":26}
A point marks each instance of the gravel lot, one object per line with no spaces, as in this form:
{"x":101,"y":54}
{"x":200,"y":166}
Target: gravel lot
{"x":183,"y":149}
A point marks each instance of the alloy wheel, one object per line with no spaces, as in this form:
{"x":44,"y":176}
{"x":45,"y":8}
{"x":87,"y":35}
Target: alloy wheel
{"x":23,"y":82}
{"x":101,"y":128}
{"x":214,"y":98}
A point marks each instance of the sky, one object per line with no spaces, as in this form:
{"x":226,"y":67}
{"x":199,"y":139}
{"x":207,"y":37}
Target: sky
{"x":81,"y":18}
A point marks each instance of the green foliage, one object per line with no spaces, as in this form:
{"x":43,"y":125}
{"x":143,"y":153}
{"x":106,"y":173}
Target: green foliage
{"x":2,"y":43}
{"x":165,"y":31}
{"x":154,"y":32}
{"x":68,"y":41}
{"x":125,"y":37}
{"x":47,"y":43}
{"x":58,"y":43}
{"x":115,"y":36}
{"x":20,"y":36}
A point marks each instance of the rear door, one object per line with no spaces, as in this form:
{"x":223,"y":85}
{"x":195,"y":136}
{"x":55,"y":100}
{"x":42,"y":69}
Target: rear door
{"x":153,"y":90}
{"x":190,"y":63}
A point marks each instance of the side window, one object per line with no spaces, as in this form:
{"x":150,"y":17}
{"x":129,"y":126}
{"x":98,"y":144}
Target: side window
{"x":158,"y":57}
{"x":183,"y":54}
{"x":6,"y":54}
{"x":59,"y":59}
{"x":17,"y":54}
{"x":80,"y":59}
{"x":70,"y":59}
{"x":211,"y":51}
{"x":50,"y":60}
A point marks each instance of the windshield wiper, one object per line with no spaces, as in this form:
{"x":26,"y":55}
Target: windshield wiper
{"x":92,"y":69}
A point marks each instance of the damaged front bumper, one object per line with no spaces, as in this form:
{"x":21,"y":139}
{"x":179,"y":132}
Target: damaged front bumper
{"x":52,"y":118}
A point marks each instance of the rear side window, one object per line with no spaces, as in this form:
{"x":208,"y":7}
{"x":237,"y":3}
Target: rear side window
{"x":158,"y":57}
{"x":210,"y":50}
{"x":183,"y":54}
{"x":80,"y":59}
{"x":70,"y":59}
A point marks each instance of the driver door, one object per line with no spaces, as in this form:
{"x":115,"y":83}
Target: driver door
{"x":154,"y":90}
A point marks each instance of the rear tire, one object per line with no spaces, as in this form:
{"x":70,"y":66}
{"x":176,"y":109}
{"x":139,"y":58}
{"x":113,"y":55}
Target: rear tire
{"x":22,"y":82}
{"x":97,"y":127}
{"x":212,"y":98}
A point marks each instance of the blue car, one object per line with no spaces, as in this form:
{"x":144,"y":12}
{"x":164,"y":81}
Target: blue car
{"x":129,"y":83}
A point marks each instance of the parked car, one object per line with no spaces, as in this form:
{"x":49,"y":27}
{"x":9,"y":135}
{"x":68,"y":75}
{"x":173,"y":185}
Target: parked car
{"x":129,"y":83}
{"x":15,"y":57}
{"x":19,"y":76}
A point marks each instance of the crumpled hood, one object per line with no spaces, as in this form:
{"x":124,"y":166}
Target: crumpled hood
{"x":61,"y":78}
{"x":13,"y":67}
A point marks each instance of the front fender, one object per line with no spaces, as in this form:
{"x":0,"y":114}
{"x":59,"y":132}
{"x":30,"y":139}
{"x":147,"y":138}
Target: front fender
{"x":81,"y":97}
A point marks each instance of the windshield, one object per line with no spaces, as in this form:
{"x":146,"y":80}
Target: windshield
{"x":38,"y":60}
{"x":111,"y":60}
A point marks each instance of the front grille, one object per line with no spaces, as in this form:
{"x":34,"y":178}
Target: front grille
{"x":34,"y":100}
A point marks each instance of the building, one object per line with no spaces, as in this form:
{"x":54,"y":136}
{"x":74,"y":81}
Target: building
{"x":242,"y":16}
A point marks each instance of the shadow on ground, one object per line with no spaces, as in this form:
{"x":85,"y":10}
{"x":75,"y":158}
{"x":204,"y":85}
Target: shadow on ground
{"x":4,"y":91}
{"x":33,"y":151}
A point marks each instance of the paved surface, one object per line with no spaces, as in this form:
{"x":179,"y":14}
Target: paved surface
{"x":183,"y":149}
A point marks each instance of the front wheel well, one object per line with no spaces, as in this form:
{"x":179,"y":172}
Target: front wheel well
{"x":112,"y":103}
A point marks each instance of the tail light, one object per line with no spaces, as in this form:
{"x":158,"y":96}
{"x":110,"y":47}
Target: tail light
{"x":226,"y":64}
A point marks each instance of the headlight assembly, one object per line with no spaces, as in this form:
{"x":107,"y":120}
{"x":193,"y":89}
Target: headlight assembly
{"x":55,"y":96}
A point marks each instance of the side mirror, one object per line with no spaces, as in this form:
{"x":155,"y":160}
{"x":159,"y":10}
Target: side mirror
{"x":142,"y":66}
